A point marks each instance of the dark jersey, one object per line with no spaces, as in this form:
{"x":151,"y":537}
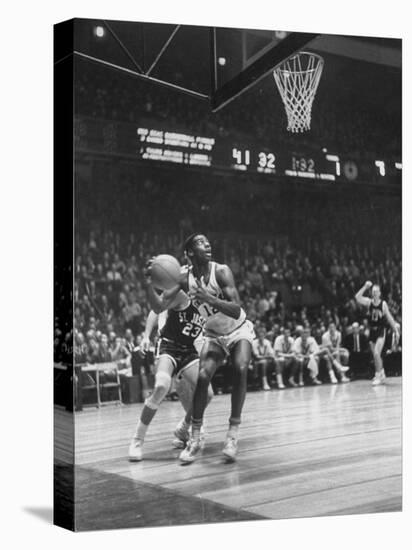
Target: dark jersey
{"x":377,"y":321}
{"x":376,"y":317}
{"x":183,"y":327}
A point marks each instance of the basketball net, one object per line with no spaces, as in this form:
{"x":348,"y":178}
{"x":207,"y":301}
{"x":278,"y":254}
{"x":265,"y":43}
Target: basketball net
{"x":297,"y":80}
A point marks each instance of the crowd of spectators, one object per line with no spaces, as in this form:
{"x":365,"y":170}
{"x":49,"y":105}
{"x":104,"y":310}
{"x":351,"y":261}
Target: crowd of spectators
{"x":298,"y":259}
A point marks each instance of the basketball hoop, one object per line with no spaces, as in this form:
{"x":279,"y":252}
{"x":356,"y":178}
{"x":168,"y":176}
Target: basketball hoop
{"x":297,"y":80}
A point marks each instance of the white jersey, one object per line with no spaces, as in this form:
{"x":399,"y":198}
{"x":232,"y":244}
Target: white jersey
{"x":307,"y":348}
{"x":283,"y":345}
{"x":217,"y":323}
{"x":330,"y":341}
{"x":262,"y":349}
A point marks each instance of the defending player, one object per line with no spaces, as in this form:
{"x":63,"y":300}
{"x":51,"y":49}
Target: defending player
{"x":179,"y":327}
{"x":227,"y":332}
{"x":378,"y":316}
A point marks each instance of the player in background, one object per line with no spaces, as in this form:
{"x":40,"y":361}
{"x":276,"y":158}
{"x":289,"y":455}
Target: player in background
{"x":334,"y":354}
{"x":285,"y":358}
{"x":307,"y":353}
{"x":263,"y":354}
{"x":227,"y":332}
{"x":379,"y":317}
{"x":179,"y":326}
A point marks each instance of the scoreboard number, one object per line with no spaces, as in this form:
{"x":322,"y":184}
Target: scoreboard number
{"x":241,"y":157}
{"x":267,"y":160}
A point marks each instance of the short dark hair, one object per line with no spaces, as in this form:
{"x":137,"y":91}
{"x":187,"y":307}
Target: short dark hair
{"x":188,"y":245}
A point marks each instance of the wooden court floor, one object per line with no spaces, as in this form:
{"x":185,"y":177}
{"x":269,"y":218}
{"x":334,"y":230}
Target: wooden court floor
{"x":309,"y":451}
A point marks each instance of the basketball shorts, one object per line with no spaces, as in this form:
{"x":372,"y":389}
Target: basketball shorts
{"x":227,"y":342}
{"x":376,"y":333}
{"x":181,"y":357}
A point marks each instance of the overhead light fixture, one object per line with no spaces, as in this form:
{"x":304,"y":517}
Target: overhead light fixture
{"x":99,"y":31}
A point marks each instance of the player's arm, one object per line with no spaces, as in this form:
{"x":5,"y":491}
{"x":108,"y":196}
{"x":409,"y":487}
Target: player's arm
{"x":359,"y":296}
{"x":255,"y":350}
{"x":296,"y":351}
{"x":151,"y":323}
{"x":314,"y":349}
{"x":231,"y":305}
{"x":390,"y":319}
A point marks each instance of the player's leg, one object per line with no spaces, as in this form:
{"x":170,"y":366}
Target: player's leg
{"x":263,"y":366}
{"x":300,"y":363}
{"x":377,"y":348}
{"x":280,"y":364}
{"x":344,"y":361}
{"x":211,"y":356}
{"x":313,"y":367}
{"x":241,"y":355}
{"x":164,"y":371}
{"x":327,"y":355}
{"x":186,"y":381}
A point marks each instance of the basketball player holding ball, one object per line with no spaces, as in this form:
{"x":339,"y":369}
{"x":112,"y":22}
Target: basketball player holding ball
{"x":180,"y":324}
{"x":227,"y":332}
{"x":378,"y":316}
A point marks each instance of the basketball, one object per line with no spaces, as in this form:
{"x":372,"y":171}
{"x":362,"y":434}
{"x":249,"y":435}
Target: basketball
{"x":165,"y":272}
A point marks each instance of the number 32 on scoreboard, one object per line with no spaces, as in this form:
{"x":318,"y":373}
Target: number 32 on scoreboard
{"x":267,"y":160}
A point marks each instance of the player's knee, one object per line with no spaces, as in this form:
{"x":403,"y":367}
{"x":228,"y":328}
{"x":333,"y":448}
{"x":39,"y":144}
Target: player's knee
{"x":241,"y":366}
{"x":204,"y":378}
{"x":161,"y":387}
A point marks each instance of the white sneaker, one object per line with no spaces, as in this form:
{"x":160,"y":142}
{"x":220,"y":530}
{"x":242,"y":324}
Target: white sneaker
{"x":281,"y":386}
{"x":333,"y":379}
{"x":344,"y":379}
{"x":230,"y":448}
{"x":191,"y":452}
{"x":181,"y":434}
{"x":266,"y":387}
{"x":136,"y":450}
{"x":378,"y":380}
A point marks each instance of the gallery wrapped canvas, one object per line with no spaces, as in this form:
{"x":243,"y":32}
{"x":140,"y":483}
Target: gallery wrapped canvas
{"x":228,"y":299}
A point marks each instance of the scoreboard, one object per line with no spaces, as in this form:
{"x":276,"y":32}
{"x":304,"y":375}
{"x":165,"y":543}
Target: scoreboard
{"x":149,"y":144}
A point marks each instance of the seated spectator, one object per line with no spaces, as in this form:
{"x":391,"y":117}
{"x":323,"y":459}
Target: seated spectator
{"x":285,"y":358}
{"x":80,"y":349}
{"x":307,"y":355}
{"x":334,"y":354}
{"x":129,"y":338}
{"x":263,"y":356}
{"x":121,"y":355}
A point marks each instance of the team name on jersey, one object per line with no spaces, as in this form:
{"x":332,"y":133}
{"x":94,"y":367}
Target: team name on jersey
{"x":194,"y":319}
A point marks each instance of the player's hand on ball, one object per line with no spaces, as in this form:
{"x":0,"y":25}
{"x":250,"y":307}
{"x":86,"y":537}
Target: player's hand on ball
{"x":147,"y":270}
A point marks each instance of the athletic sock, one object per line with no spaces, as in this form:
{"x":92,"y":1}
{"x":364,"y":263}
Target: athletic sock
{"x":145,"y":419}
{"x":233,"y":430}
{"x":196,"y":425}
